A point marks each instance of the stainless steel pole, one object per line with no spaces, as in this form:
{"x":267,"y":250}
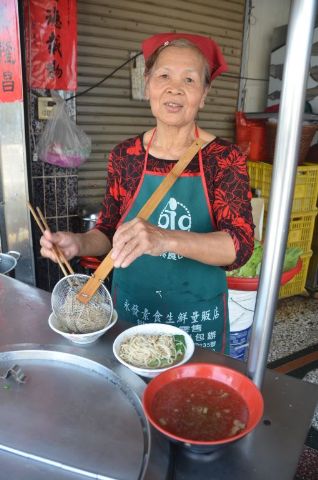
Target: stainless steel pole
{"x":298,"y":49}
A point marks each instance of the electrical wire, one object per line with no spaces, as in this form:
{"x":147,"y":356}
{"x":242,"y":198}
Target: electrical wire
{"x":238,"y":77}
{"x":105,"y":78}
{"x":250,"y":20}
{"x":244,"y":78}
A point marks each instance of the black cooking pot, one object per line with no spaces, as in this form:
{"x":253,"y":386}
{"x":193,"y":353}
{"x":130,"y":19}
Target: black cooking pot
{"x":89,"y":222}
{"x":8,"y":261}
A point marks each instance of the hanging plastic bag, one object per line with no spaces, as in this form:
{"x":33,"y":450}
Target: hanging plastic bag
{"x":62,"y":142}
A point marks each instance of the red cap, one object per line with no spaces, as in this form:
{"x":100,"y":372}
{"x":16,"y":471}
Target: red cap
{"x":210,"y":50}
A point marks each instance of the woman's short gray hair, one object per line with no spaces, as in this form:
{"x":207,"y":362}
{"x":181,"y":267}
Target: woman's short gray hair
{"x":182,"y":43}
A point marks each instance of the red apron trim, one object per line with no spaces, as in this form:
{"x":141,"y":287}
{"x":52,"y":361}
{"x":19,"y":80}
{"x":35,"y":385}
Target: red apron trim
{"x":205,"y":189}
{"x":140,"y":182}
{"x":224,"y":323}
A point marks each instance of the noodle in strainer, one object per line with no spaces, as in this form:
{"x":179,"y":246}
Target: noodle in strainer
{"x":78,"y":317}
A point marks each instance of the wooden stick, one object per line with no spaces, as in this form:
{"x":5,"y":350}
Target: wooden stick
{"x":107,"y":264}
{"x":42,"y":228}
{"x":61,"y":254}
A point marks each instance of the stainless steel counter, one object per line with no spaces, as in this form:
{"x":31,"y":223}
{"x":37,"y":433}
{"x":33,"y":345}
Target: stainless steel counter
{"x":270,"y":451}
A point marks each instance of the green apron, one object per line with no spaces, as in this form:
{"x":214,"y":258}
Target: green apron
{"x":172,"y":289}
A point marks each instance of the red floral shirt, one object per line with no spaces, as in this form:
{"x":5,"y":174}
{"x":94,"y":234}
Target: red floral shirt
{"x":227,"y":183}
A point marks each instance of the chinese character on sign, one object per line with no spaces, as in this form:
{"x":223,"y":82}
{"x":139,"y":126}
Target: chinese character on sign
{"x":7,"y":53}
{"x":54,"y":70}
{"x":194,"y":317}
{"x":53,"y":18}
{"x":135,"y":310}
{"x":206,"y":315}
{"x":157,"y":316}
{"x":145,"y":315}
{"x":182,"y":317}
{"x":211,"y":335}
{"x":196,"y":328}
{"x":169,"y":318}
{"x":7,"y":82}
{"x":54,"y":44}
{"x":199,"y":337}
{"x":10,"y":59}
{"x":216,"y":313}
{"x":185,"y":328}
{"x":126,"y":306}
{"x":53,"y":51}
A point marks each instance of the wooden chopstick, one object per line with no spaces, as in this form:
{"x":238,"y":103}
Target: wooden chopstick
{"x":42,"y":228}
{"x":59,"y":254}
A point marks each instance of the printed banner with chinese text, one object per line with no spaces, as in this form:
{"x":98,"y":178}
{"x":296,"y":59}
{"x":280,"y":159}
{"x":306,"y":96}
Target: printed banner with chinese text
{"x":53,"y":30}
{"x":10,"y":58}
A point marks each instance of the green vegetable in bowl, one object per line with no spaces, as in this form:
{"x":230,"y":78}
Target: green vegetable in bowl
{"x":252,"y":267}
{"x":180,"y":345}
{"x":153,"y":351}
{"x":171,"y":357}
{"x":292,"y":255}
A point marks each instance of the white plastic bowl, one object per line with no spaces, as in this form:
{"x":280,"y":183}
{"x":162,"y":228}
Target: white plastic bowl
{"x":153,"y":329}
{"x":81,"y":338}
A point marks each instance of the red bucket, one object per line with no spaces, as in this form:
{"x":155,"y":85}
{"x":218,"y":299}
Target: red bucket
{"x":251,"y":137}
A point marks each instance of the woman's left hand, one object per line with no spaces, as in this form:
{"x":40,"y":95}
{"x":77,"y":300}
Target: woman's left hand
{"x":135,"y":238}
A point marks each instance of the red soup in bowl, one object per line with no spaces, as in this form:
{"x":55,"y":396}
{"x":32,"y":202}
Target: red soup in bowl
{"x":203,"y":404}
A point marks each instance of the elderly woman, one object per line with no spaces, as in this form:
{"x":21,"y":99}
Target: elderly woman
{"x":171,"y":268}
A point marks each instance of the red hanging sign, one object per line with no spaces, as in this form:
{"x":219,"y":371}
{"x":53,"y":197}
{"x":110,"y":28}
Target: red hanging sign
{"x":10,"y":58}
{"x":53,"y":30}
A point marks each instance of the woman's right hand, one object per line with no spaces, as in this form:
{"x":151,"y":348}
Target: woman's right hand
{"x":67,"y":242}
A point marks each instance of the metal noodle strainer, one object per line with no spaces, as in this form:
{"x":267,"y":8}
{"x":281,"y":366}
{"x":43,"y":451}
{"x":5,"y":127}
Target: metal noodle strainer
{"x":75,"y":316}
{"x":78,"y":317}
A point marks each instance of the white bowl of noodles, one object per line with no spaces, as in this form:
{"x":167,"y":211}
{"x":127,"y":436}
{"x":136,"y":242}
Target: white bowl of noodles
{"x":58,"y":326}
{"x":152,"y":348}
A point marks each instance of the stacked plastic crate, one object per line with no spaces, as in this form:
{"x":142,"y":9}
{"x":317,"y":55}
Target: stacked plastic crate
{"x":303,"y":215}
{"x":312,"y":277}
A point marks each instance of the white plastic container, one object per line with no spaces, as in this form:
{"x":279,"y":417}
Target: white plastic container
{"x":241,"y":313}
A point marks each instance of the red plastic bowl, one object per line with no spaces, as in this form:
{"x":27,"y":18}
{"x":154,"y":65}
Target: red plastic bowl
{"x":244,"y":284}
{"x":232,"y":378}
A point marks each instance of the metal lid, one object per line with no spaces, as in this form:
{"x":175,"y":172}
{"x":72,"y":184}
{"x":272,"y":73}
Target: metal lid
{"x":73,"y":413}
